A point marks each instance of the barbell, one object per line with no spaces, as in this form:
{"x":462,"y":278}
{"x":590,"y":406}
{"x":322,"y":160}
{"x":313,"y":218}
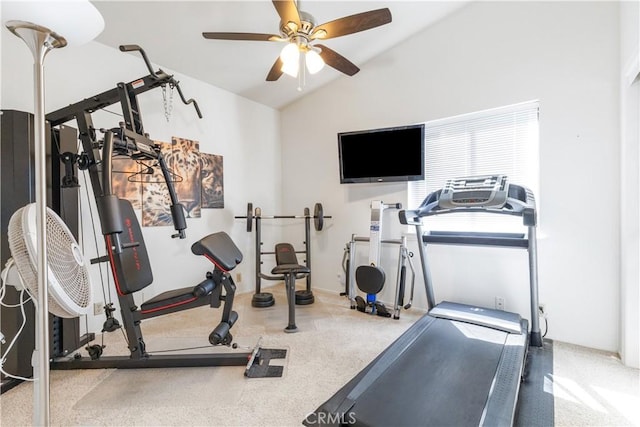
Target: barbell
{"x":318,"y":216}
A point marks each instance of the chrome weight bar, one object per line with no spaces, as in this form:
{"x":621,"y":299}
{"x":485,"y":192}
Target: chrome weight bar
{"x":318,"y":216}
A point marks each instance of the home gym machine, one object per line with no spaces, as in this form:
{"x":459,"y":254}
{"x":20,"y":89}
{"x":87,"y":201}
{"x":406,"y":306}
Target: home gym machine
{"x":459,"y":364}
{"x":285,"y":255}
{"x":125,"y":247}
{"x":370,"y":278}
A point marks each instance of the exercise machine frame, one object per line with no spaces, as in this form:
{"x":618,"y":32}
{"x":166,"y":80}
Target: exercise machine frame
{"x":515,"y":200}
{"x":122,"y":236}
{"x":404,"y":256}
{"x":458,"y":364}
{"x":372,"y":273}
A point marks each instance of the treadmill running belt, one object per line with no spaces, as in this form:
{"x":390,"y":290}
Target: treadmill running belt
{"x":442,"y":378}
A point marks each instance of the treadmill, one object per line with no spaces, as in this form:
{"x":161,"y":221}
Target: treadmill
{"x":459,"y":364}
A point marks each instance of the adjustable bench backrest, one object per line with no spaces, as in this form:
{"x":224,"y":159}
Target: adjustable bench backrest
{"x":285,"y":254}
{"x":132,"y":270}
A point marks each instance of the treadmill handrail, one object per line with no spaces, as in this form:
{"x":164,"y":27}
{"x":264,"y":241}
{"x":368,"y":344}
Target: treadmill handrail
{"x":476,"y":238}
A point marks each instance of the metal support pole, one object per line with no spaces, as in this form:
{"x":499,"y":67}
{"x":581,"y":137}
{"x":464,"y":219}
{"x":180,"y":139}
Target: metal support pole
{"x":399,"y":278}
{"x":426,"y":273}
{"x":535,"y":337}
{"x":40,"y":41}
{"x":307,"y":245}
{"x":258,"y":255}
{"x":351,"y":271}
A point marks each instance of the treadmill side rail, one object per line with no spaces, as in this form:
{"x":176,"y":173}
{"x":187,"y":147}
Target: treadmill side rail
{"x":500,"y":408}
{"x":495,"y":319}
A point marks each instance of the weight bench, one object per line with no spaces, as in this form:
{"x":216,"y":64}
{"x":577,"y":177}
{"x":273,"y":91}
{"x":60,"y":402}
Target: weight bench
{"x":287,"y":265}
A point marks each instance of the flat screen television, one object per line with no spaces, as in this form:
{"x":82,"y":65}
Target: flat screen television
{"x":393,"y":154}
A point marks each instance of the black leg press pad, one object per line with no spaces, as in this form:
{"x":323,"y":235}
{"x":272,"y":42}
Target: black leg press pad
{"x":261,"y":367}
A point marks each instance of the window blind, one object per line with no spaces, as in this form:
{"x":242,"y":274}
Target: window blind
{"x":498,"y":141}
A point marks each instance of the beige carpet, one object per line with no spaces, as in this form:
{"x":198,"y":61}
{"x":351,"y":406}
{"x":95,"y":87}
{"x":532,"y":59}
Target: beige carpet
{"x":333,"y":344}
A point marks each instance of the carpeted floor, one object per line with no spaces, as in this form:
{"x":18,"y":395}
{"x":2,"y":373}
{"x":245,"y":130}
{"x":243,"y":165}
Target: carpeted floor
{"x":334,"y":343}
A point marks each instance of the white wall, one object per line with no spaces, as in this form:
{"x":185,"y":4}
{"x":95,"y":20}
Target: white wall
{"x":486,"y":55}
{"x":489,"y":54}
{"x":245,"y":133}
{"x":630,"y":183}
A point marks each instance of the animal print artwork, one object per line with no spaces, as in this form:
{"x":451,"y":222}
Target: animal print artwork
{"x":211,"y":169}
{"x":126,"y":180}
{"x":156,"y":202}
{"x":197,"y":179}
{"x":184,"y":161}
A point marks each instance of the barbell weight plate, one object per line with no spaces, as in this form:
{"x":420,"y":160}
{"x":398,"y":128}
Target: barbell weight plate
{"x":304,"y":294}
{"x":304,"y":297}
{"x":263,"y":299}
{"x":249,"y":216}
{"x":318,"y":217}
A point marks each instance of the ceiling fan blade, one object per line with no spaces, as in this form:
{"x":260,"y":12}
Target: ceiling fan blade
{"x":352,"y":24}
{"x":337,"y":61}
{"x":288,"y":11}
{"x":276,"y":71}
{"x":242,"y":36}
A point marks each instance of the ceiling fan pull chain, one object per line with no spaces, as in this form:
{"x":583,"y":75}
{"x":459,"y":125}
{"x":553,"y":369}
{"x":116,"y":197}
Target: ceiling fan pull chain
{"x":302,"y":71}
{"x":168,"y":106}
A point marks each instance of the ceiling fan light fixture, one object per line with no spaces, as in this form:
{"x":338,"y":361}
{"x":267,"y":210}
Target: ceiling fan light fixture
{"x":290,"y":53}
{"x":290,"y":57}
{"x":299,"y":29}
{"x":290,"y":68}
{"x":314,"y":61}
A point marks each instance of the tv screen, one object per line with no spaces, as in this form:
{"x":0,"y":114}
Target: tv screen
{"x":382,"y":155}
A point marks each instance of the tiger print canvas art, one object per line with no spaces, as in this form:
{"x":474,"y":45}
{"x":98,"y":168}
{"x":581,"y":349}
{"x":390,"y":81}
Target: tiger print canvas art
{"x":197,"y":179}
{"x":211,"y":169}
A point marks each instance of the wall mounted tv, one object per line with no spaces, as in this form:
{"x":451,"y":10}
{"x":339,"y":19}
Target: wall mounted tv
{"x":393,"y":154}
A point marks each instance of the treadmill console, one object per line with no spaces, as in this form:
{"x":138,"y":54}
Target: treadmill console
{"x":475,"y":191}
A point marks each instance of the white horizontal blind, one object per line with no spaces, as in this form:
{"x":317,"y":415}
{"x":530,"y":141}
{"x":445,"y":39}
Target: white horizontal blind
{"x":497,"y":141}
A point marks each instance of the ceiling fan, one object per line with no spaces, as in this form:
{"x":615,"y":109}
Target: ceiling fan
{"x":299,"y":30}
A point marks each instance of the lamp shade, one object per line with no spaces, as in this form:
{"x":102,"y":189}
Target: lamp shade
{"x":314,"y":61}
{"x":291,"y":68}
{"x":290,"y":53}
{"x":290,"y":57}
{"x":78,"y":21}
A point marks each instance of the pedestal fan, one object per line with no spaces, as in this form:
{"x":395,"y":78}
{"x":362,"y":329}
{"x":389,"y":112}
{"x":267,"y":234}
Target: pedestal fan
{"x":67,"y":278}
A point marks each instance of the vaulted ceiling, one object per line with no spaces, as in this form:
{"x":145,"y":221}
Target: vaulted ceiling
{"x":170,"y":32}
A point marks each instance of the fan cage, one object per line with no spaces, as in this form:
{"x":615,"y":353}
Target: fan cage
{"x":68,"y":278}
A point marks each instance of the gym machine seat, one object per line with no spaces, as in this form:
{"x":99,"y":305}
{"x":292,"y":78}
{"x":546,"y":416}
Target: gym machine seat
{"x":287,"y":265}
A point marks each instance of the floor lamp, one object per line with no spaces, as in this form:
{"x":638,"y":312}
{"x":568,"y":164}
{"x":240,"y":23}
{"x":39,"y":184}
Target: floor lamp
{"x":44,"y":26}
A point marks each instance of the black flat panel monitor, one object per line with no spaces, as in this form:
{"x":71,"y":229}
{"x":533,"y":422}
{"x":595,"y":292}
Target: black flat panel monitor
{"x":393,"y":154}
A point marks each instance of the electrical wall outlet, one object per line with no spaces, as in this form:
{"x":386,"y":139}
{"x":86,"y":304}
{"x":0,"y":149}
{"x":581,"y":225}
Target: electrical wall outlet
{"x":499,"y":303}
{"x":238,"y":277}
{"x":97,"y":308}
